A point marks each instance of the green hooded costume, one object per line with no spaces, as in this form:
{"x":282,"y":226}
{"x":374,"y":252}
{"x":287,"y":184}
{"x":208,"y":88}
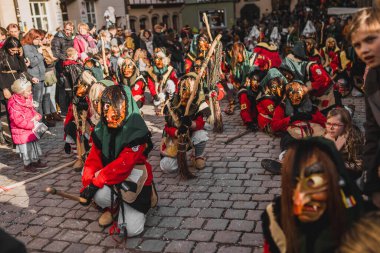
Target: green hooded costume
{"x":133,"y":132}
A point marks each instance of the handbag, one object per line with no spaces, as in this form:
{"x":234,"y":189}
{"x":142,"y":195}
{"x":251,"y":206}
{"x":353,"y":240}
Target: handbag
{"x":50,"y":78}
{"x":39,"y":129}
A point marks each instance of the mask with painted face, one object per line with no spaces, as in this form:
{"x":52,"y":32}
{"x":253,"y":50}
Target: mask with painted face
{"x":114,"y":109}
{"x":275,"y":87}
{"x":310,"y":195}
{"x":203,"y":44}
{"x":129,"y":68}
{"x":82,"y":89}
{"x":295,"y":93}
{"x":254,"y":83}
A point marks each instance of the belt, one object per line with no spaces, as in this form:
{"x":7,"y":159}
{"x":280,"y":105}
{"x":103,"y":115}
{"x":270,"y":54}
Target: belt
{"x":9,"y":72}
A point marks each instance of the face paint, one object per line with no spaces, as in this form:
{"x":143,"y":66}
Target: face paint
{"x":129,"y":68}
{"x":310,"y":194}
{"x":295,"y":93}
{"x":113,"y":116}
{"x":158,"y":62}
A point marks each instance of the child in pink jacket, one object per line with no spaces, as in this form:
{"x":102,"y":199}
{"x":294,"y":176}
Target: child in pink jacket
{"x":23,"y":117}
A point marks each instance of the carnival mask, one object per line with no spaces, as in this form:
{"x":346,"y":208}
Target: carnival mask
{"x":254,"y":83}
{"x":82,"y":89}
{"x":185,"y":92}
{"x":128,"y":68}
{"x":203,"y":44}
{"x":310,"y":194}
{"x":275,"y":87}
{"x":331,"y":44}
{"x":295,"y":93}
{"x":158,"y":61}
{"x":197,"y":68}
{"x":288,"y":75}
{"x":114,"y":116}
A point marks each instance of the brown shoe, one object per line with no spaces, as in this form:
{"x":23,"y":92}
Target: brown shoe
{"x":30,"y":169}
{"x":48,"y":121}
{"x":199,"y":163}
{"x":56,"y":116}
{"x":105,"y":219}
{"x":78,"y":165}
{"x":40,"y":165}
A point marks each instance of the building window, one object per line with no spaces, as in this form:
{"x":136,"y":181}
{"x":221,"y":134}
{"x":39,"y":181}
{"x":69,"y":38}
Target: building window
{"x":175,"y":22}
{"x":154,"y":20}
{"x":90,"y":9}
{"x":132,"y":24}
{"x":216,"y":18}
{"x":142,"y":23}
{"x":65,"y":15}
{"x":165,"y":20}
{"x":39,"y":15}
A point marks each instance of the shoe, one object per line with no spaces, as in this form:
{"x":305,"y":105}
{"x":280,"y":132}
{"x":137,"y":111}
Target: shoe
{"x":67,"y":148}
{"x":230,"y":108}
{"x":252,"y":126}
{"x":105,"y":219}
{"x":30,"y":169}
{"x":199,"y":163}
{"x":48,"y":122}
{"x":78,"y":165}
{"x":272,"y":166}
{"x":56,"y":116}
{"x":40,"y":165}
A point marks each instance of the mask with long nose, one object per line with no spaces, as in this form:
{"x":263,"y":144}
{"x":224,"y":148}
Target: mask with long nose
{"x":310,"y":194}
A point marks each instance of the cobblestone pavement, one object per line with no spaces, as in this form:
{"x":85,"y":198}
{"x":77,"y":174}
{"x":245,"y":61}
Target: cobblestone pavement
{"x":219,"y":211}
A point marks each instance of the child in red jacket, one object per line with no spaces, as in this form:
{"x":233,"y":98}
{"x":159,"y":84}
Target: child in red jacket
{"x":23,"y":123}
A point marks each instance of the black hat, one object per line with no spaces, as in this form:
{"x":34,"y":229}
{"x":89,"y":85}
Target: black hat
{"x":299,"y":50}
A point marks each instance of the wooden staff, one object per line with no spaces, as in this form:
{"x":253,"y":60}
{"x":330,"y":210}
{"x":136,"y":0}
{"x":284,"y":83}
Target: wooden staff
{"x":54,"y":191}
{"x":205,"y":20}
{"x":183,"y":138}
{"x":104,"y":58}
{"x":237,"y":136}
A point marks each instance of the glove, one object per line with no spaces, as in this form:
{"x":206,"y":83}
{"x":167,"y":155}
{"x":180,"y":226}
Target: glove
{"x":182,"y":129}
{"x":252,"y":126}
{"x":88,"y":193}
{"x":300,"y":116}
{"x":186,"y":121}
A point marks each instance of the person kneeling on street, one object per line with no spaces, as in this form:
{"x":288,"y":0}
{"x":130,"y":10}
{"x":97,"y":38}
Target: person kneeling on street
{"x":116,"y":173}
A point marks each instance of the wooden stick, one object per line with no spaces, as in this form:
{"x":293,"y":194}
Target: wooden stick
{"x":205,"y":20}
{"x":12,"y":186}
{"x":54,"y":191}
{"x":104,"y":58}
{"x":237,"y":136}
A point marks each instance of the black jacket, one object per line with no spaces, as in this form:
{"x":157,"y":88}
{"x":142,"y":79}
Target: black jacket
{"x":59,"y":45}
{"x":371,"y":156}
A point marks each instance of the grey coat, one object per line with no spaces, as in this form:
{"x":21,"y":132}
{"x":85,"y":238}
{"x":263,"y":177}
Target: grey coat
{"x":37,"y":65}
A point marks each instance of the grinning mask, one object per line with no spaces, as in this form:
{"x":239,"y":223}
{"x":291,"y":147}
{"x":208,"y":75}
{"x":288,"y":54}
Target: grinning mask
{"x":82,"y":89}
{"x":129,"y":68}
{"x":114,"y":107}
{"x":275,"y":87}
{"x":310,"y":195}
{"x":203,"y":44}
{"x":198,"y":66}
{"x":254,"y":83}
{"x":288,"y":74}
{"x":295,"y":93}
{"x":187,"y":85}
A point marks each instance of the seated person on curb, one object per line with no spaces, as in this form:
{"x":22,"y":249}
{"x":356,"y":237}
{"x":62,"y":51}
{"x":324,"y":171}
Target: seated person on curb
{"x":348,"y":139}
{"x":177,"y":124}
{"x":116,"y":173}
{"x":318,"y":201}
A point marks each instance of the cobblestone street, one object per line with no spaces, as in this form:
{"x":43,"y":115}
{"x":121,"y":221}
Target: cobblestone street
{"x":219,"y":211}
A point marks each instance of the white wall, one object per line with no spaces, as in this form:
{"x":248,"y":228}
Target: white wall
{"x":7,"y":13}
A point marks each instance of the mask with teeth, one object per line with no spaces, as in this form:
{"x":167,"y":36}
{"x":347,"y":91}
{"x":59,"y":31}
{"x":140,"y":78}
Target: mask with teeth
{"x":310,"y":195}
